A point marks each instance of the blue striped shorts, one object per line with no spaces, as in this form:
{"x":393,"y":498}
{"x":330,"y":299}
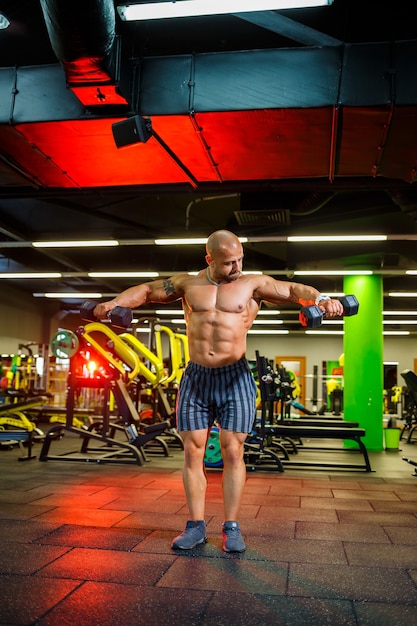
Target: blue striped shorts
{"x":225,"y":395}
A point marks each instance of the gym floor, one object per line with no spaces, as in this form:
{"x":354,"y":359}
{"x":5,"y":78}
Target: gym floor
{"x":87,"y":543}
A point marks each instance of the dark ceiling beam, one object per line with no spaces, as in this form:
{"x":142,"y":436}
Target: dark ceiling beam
{"x":277,"y":23}
{"x":353,"y":75}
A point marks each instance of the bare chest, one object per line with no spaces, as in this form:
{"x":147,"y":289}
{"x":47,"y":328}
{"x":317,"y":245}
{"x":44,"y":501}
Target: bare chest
{"x":227,"y":298}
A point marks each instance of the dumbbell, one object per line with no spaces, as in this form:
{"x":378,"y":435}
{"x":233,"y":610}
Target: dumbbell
{"x":120,"y":316}
{"x":312,"y":316}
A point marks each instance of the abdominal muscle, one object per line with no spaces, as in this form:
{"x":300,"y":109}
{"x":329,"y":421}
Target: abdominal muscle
{"x":217,"y":338}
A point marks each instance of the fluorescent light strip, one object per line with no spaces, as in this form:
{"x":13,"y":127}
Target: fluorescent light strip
{"x":407,"y":322}
{"x":70,"y":295}
{"x":123,"y":274}
{"x":193,"y":8}
{"x":337,"y":238}
{"x":411,"y":272}
{"x":324,"y":332}
{"x":4,"y":22}
{"x":268,"y":321}
{"x":333,"y":272}
{"x":189,"y":241}
{"x":396,"y":332}
{"x":272,"y":331}
{"x":76,"y":244}
{"x":30,"y":275}
{"x":399,"y":312}
{"x":403,"y":294}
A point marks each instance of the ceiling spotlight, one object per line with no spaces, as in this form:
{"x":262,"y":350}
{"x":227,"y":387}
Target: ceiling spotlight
{"x":135,"y":129}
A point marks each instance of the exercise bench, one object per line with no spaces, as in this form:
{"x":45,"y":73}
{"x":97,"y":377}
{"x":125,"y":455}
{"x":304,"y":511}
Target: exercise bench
{"x":298,"y":432}
{"x":19,"y":436}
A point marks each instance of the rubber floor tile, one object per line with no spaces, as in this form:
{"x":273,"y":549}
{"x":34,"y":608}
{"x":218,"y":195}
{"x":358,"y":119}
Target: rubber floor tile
{"x":64,"y":489}
{"x":303,"y":490}
{"x":365,"y":495}
{"x":395,"y":507}
{"x":295,"y":513}
{"x":26,"y":559}
{"x":16,"y":511}
{"x":90,"y":537}
{"x":24,"y":530}
{"x":91,"y":501}
{"x":159,"y":542}
{"x":261,"y":610}
{"x":390,"y":556}
{"x":175,"y":522}
{"x":303,"y":550}
{"x":110,"y":566}
{"x":383,"y":519}
{"x":83,"y":516}
{"x":149,"y":505}
{"x":407,"y":496}
{"x":276,"y":500}
{"x":16,"y":497}
{"x":402,"y":534}
{"x":335,"y":504}
{"x":264,"y":528}
{"x":341,"y":532}
{"x":240,"y":575}
{"x":22,"y":602}
{"x":381,"y":614}
{"x":108,"y":604}
{"x":350,"y":583}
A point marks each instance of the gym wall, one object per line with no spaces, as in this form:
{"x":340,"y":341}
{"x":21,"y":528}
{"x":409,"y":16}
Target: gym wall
{"x":23,"y":320}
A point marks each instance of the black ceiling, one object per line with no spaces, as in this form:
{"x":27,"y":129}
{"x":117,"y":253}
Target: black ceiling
{"x":270,"y":124}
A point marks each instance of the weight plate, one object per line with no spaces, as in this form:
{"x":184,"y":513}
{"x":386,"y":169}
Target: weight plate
{"x":213,"y":455}
{"x":64,"y":344}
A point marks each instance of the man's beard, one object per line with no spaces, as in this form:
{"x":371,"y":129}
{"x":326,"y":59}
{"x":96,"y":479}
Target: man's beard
{"x":230,"y":278}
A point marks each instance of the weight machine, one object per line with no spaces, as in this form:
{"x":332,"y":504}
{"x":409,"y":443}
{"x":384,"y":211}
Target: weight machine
{"x":258,"y":453}
{"x":102,"y":360}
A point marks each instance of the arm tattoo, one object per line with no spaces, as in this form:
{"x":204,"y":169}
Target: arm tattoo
{"x":169,"y":287}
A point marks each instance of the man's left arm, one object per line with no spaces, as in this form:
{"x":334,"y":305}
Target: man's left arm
{"x":280,"y":291}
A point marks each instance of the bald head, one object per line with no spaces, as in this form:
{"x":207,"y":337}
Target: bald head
{"x":224,"y":256}
{"x":222,"y":241}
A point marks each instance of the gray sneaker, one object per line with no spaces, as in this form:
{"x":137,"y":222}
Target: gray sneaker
{"x":194,"y":534}
{"x":232,"y":537}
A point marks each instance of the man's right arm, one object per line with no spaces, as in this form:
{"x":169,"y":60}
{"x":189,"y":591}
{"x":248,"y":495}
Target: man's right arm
{"x":163,"y":290}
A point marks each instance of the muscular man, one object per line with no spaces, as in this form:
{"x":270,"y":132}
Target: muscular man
{"x":220,"y":304}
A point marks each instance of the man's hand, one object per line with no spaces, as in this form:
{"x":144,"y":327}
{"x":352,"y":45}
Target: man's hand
{"x":102,"y":309}
{"x":331,"y":308}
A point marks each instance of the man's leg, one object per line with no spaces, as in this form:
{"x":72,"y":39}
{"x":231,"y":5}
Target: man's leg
{"x":234,"y":472}
{"x":195,"y":485}
{"x":194,"y":475}
{"x":234,"y":478}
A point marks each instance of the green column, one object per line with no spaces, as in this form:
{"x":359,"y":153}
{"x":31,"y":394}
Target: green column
{"x":363,"y":359}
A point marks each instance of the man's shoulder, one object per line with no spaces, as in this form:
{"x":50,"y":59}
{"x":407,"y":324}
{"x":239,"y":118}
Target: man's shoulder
{"x":185,"y":279}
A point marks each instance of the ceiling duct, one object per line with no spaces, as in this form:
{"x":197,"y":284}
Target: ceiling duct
{"x":83,"y":37}
{"x":279,"y":217}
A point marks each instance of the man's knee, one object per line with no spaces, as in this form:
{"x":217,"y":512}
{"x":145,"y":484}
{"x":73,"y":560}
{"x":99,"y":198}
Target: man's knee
{"x":232,"y":446}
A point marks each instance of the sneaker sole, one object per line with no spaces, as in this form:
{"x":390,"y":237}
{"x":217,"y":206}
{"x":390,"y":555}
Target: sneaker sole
{"x":226,"y":550}
{"x":197,"y":543}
